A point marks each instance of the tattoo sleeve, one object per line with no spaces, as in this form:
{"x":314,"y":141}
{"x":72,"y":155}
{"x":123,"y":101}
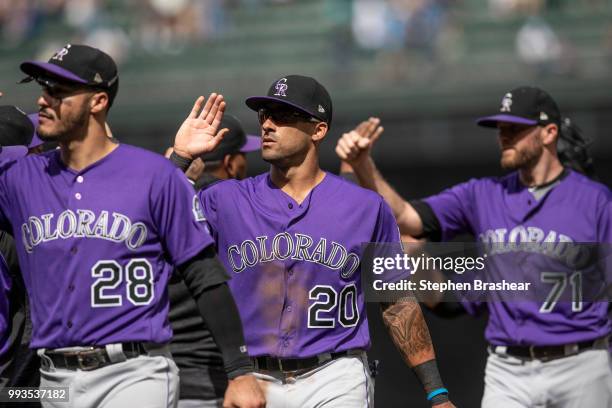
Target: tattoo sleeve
{"x":408,"y":330}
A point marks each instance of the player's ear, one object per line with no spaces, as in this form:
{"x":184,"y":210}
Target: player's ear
{"x":99,"y":102}
{"x":320,"y":131}
{"x":549,"y":134}
{"x":227,"y":164}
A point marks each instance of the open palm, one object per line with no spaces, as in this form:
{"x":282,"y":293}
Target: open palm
{"x":200,"y":132}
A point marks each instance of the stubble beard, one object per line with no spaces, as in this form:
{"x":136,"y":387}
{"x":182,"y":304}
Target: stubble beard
{"x":71,"y":126}
{"x":522,"y":158}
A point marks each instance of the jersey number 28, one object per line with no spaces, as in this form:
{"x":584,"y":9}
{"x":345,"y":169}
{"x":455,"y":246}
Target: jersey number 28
{"x":109,"y":274}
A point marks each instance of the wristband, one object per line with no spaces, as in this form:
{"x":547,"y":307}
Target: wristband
{"x":436,"y":392}
{"x":180,"y":162}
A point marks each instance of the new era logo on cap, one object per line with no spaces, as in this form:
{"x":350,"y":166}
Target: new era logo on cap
{"x":303,"y":93}
{"x":525,"y":105}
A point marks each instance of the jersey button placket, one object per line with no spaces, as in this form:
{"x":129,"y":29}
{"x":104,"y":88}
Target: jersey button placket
{"x":78,"y":180}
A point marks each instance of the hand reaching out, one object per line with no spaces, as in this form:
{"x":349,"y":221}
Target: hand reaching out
{"x":200,"y":132}
{"x":355,"y":146}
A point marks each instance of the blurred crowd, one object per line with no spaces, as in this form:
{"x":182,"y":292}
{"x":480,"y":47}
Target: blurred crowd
{"x":403,"y":35}
{"x":114,"y":25}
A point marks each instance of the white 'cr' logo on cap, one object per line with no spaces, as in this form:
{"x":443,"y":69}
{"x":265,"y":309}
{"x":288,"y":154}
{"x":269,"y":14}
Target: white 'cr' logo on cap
{"x":281,"y":87}
{"x":61,"y":53}
{"x":506,"y":103}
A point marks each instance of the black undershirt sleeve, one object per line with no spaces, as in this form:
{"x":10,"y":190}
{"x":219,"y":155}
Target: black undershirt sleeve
{"x":432,"y":230}
{"x":205,"y":277}
{"x":9,"y":252}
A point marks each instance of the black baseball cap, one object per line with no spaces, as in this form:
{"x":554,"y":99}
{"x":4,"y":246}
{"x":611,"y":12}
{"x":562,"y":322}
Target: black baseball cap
{"x":17,"y":133}
{"x":303,"y":93}
{"x":525,"y":105}
{"x":79,"y":64}
{"x":16,"y":128}
{"x":235,"y":141}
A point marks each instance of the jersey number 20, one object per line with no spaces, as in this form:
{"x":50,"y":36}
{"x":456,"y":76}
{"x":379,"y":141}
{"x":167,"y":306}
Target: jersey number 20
{"x":109,"y":274}
{"x":326,"y":300}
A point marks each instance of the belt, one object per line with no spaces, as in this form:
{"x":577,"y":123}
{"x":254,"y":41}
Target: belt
{"x":269,"y":363}
{"x":547,"y":353}
{"x":91,"y":359}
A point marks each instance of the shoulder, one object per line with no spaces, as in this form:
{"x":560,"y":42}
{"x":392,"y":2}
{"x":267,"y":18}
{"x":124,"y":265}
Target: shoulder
{"x":138,"y":158}
{"x":231,"y":188}
{"x":339,"y":186}
{"x":588,"y":186}
{"x":29,"y":165}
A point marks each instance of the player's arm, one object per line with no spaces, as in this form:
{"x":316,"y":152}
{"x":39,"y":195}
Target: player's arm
{"x":354,"y":150}
{"x":205,"y":277}
{"x":408,"y":330}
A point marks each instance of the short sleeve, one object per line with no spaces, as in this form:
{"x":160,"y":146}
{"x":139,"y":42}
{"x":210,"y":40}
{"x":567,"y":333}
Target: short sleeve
{"x":179,"y":218}
{"x":454,"y":209}
{"x":208,"y":200}
{"x":386,"y":226}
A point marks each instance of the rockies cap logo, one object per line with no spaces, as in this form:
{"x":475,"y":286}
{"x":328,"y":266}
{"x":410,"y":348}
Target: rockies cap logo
{"x":61,"y":53}
{"x":281,"y":87}
{"x":506,"y":103}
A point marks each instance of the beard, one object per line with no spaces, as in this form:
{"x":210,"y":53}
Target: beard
{"x":65,"y":128}
{"x":524,"y":157}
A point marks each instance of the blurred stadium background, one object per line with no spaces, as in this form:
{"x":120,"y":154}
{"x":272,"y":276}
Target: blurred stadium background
{"x":428,"y":68}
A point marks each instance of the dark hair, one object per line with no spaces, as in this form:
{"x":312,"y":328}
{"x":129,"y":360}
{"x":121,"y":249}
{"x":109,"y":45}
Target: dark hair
{"x":572,"y":149}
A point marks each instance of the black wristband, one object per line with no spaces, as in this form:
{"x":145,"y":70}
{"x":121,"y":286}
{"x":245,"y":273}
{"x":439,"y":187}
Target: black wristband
{"x":429,"y":376}
{"x":181,"y":162}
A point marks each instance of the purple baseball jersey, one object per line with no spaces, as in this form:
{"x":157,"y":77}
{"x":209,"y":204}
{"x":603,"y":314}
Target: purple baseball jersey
{"x":296,"y":267}
{"x":96,"y":247}
{"x":503,"y":212}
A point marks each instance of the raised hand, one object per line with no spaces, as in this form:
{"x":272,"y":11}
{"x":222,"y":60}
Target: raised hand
{"x":200,"y":132}
{"x":355,"y":146}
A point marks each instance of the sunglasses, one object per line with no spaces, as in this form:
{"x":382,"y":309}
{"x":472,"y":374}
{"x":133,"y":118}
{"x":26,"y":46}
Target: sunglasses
{"x":284,"y":116}
{"x":58,"y":90}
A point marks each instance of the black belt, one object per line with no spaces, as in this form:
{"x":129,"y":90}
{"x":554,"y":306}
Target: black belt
{"x":547,"y":353}
{"x":96,"y":357}
{"x":268,"y":363}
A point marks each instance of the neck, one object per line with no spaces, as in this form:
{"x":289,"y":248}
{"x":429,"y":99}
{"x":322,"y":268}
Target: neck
{"x":544,"y":171}
{"x":298,"y":181}
{"x":78,"y":153}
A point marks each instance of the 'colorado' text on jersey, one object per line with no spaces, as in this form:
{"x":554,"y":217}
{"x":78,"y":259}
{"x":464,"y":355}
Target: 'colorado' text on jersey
{"x":296,"y":276}
{"x":506,"y":217}
{"x":96,"y":247}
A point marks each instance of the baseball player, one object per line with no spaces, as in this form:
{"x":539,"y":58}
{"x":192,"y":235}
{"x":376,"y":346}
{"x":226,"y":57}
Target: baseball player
{"x":203,"y":379}
{"x":539,"y":356}
{"x":98,"y":227}
{"x":292,"y":238}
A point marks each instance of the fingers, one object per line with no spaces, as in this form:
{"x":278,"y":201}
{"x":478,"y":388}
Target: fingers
{"x":377,"y":134}
{"x":218,"y":117}
{"x":196,"y":107}
{"x":361,"y":127}
{"x":211,"y":109}
{"x":208,"y":106}
{"x":214,"y":142}
{"x":370,"y":128}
